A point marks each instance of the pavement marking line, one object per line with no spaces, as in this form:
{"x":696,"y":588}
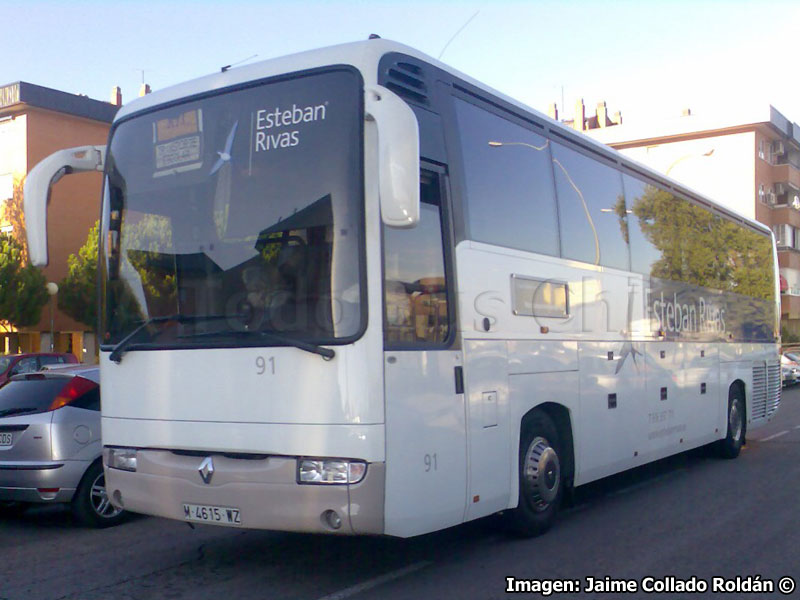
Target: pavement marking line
{"x":376,"y":581}
{"x":772,"y":437}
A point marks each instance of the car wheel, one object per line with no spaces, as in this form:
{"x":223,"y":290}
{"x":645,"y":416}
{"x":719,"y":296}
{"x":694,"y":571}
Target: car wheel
{"x":91,"y":505}
{"x":541,"y":482}
{"x":730,"y":446}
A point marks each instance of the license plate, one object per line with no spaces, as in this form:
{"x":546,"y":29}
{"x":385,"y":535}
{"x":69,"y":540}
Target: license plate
{"x":212,"y":514}
{"x":6,"y":439}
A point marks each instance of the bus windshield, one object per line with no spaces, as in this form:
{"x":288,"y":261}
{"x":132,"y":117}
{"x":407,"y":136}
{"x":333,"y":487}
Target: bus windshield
{"x":241,"y":213}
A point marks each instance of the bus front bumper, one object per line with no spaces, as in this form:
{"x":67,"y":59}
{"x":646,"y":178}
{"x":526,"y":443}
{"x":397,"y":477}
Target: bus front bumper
{"x":264,"y":491}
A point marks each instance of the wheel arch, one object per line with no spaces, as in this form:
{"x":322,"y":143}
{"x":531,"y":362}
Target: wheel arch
{"x":560,"y":415}
{"x":738,"y":384}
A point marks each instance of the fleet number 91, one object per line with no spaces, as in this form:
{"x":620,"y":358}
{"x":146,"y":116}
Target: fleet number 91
{"x":265,"y":365}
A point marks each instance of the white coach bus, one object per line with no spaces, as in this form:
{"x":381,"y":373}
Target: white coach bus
{"x":354,"y":291}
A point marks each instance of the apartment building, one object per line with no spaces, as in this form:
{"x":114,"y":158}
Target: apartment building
{"x":750,"y":163}
{"x":34,"y":122}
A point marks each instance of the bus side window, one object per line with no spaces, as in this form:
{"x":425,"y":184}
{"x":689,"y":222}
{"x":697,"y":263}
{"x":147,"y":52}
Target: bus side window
{"x":415,"y":289}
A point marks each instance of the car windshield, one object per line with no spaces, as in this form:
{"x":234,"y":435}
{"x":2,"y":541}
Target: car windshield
{"x":27,"y":396}
{"x":792,"y":356}
{"x":238,"y":213}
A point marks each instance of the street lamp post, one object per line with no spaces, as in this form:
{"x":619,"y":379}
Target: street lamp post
{"x":52,"y":290}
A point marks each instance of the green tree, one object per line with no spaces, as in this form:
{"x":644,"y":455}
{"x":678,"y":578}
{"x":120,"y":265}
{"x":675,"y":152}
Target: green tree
{"x":22,"y":288}
{"x":77,"y":292}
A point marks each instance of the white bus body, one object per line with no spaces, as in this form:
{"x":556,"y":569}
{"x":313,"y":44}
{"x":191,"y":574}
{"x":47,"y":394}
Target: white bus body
{"x":479,"y":377}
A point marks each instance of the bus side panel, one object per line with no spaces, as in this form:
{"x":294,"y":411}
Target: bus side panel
{"x":426,"y":457}
{"x":702,"y":395}
{"x":488,"y":431}
{"x":666,"y":414}
{"x":613,"y":408}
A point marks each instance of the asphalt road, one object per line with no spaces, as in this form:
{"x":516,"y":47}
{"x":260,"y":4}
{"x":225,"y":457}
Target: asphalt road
{"x":688,"y":516}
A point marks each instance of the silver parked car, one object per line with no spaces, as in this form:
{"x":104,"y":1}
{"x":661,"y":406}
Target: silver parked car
{"x":50,"y":447}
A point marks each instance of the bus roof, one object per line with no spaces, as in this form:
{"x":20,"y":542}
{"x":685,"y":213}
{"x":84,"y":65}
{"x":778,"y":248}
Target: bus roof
{"x":366,"y":56}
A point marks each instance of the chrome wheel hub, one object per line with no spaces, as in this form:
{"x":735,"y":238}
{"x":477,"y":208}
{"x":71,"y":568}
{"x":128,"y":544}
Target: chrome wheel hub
{"x":541,"y":474}
{"x":735,"y":420}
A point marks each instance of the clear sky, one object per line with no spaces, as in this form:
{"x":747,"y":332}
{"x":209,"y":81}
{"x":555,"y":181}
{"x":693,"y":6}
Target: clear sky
{"x":645,"y":58}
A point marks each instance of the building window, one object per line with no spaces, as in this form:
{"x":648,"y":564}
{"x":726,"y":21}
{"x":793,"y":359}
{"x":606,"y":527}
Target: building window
{"x":784,"y":236}
{"x":761,"y":149}
{"x":762,"y":196}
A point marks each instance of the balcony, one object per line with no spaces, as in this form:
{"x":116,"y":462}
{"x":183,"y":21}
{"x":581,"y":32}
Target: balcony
{"x":781,"y":214}
{"x":787,"y":174}
{"x":788,"y":258}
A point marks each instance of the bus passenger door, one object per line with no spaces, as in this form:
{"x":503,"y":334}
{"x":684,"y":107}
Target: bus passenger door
{"x":425,"y":414}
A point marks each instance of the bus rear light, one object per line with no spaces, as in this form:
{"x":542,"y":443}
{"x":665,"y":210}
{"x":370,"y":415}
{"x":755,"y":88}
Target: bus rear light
{"x":330,"y":471}
{"x":123,"y":459}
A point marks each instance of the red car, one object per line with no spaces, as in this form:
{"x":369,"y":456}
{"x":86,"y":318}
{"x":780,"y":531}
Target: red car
{"x":14,"y":364}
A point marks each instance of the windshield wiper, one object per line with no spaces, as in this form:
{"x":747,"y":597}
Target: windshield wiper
{"x":119,"y":349}
{"x":17,"y":411}
{"x":326,"y":353}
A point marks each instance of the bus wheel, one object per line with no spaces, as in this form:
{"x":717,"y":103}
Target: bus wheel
{"x":541,"y":484}
{"x":730,"y":446}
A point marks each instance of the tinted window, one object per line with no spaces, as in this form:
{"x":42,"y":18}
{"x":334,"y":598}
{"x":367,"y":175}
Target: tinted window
{"x":242,"y":210}
{"x":509,"y":185}
{"x":673,"y":239}
{"x":29,"y":395}
{"x":51,"y":360}
{"x":641,"y":197}
{"x":594,"y":225}
{"x":415,"y":289}
{"x":25,"y":365}
{"x":90,"y":400}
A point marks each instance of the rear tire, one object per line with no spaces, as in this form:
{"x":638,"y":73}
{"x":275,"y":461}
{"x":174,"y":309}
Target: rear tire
{"x":541,"y":480}
{"x":730,"y":446}
{"x":91,"y":505}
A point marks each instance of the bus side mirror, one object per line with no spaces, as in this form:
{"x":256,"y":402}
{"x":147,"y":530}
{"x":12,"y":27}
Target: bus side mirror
{"x":398,"y":156}
{"x":37,"y":191}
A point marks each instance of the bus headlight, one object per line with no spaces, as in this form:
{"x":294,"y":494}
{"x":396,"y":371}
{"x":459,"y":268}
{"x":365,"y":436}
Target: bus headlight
{"x":330,"y":471}
{"x":123,"y":459}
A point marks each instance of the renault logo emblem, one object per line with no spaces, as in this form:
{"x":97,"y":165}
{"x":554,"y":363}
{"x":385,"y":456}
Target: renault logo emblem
{"x":206,"y":469}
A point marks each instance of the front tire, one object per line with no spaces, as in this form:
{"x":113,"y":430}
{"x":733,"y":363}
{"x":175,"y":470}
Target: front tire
{"x":91,"y":505}
{"x":541,"y":481}
{"x":731,"y":445}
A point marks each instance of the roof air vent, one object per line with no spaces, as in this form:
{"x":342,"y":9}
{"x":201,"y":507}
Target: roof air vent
{"x":407,"y":80}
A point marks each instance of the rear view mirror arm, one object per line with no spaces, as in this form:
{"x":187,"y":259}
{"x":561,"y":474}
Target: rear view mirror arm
{"x":36,"y":193}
